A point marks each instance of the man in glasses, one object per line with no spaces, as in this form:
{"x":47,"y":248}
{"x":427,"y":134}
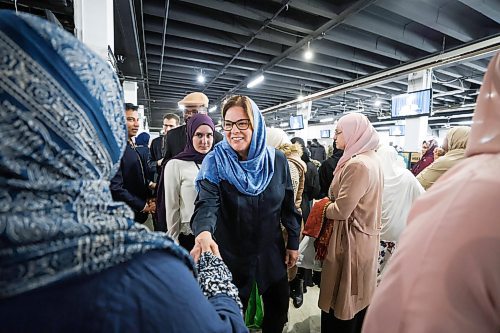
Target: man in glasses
{"x":192,"y":103}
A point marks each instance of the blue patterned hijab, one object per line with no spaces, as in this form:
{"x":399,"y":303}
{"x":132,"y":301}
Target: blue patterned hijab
{"x":250,"y":177}
{"x":62,"y":134}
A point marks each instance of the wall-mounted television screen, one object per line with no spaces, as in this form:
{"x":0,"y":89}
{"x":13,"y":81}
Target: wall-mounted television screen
{"x":414,"y":104}
{"x":397,"y":130}
{"x":296,"y":122}
{"x":325,"y":134}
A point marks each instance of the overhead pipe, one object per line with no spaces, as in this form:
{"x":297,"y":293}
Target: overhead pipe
{"x":480,"y":47}
{"x":167,"y":5}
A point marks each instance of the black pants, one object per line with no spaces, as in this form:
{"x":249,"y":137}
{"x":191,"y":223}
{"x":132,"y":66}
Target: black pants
{"x":275,"y":301}
{"x":331,"y":324}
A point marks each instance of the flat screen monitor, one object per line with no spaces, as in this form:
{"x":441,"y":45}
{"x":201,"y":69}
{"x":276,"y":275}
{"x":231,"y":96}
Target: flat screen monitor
{"x":414,"y":104}
{"x":397,"y":130}
{"x":296,"y":122}
{"x":325,"y":134}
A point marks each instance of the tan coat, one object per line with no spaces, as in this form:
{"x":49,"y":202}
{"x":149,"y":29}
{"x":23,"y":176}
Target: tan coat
{"x":349,"y":272}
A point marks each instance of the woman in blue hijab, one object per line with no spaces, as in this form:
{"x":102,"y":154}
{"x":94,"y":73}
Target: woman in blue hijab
{"x":71,"y":259}
{"x":245,"y":193}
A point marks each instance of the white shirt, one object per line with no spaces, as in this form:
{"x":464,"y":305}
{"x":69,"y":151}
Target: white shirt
{"x":180,"y":195}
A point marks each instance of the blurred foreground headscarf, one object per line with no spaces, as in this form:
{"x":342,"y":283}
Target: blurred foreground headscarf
{"x":62,"y":134}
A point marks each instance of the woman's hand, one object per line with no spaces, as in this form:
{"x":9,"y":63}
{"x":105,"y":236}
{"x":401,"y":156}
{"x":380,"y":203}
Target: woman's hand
{"x":291,"y":258}
{"x":204,"y":243}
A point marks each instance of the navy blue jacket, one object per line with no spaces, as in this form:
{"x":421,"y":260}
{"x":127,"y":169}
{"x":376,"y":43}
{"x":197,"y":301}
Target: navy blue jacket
{"x":154,"y":292}
{"x":130,"y":184}
{"x":247,"y":228}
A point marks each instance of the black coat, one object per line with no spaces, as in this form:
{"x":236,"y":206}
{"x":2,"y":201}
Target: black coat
{"x":130,"y":184}
{"x":326,"y":171}
{"x":176,"y":141}
{"x":247,"y":228}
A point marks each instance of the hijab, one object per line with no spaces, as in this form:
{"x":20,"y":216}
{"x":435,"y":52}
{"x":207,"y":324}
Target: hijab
{"x":142,"y":139}
{"x":62,"y":137}
{"x":359,"y":136}
{"x":457,"y":137}
{"x":250,"y":177}
{"x":305,"y":156}
{"x":189,"y":153}
{"x":445,"y":274}
{"x":276,"y":137}
{"x":400,"y":190}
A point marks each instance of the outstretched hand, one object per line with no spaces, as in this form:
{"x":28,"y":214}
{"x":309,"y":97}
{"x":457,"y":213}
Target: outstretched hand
{"x":204,"y":243}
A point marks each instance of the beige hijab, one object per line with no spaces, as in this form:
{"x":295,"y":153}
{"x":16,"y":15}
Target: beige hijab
{"x":445,"y":275}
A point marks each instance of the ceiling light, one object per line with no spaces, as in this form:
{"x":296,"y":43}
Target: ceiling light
{"x":325,"y":120}
{"x":212,"y":109}
{"x":284,"y":124}
{"x":181,"y":107}
{"x":308,"y":54}
{"x":201,"y":78}
{"x":300,"y":97}
{"x":256,"y":81}
{"x":377,"y":103}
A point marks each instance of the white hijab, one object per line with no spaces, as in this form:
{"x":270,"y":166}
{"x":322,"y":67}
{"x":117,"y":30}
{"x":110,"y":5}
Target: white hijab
{"x":401,"y":188}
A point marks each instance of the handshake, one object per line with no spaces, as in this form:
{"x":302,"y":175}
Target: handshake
{"x":150,"y":206}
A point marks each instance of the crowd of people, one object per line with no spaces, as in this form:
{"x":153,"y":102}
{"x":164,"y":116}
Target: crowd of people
{"x":399,"y":250}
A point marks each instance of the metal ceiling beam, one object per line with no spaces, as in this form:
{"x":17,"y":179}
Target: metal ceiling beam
{"x":462,"y":53}
{"x":356,"y":7}
{"x":488,"y":8}
{"x":435,"y":17}
{"x":399,"y":33}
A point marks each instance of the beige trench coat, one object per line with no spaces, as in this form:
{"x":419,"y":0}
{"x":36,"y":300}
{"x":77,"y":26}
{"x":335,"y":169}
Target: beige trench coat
{"x":349,"y":274}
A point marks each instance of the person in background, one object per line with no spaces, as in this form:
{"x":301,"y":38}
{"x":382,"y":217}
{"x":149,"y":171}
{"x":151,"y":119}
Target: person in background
{"x":318,"y":151}
{"x":278,"y":139}
{"x":131,"y":184}
{"x":445,"y":275}
{"x":349,"y":242}
{"x":158,"y":145}
{"x":454,"y":145}
{"x":326,"y":170}
{"x":401,"y":189}
{"x":427,"y":156}
{"x":438,"y":152}
{"x":142,"y":147}
{"x":311,"y":191}
{"x":176,"y":140}
{"x":245,"y":195}
{"x":180,"y":173}
{"x":71,"y":258}
{"x":192,"y":103}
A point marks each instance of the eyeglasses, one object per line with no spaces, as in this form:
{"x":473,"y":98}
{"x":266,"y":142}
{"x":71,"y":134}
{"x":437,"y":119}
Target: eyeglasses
{"x":338,"y":132}
{"x":241,"y":124}
{"x":195,"y":110}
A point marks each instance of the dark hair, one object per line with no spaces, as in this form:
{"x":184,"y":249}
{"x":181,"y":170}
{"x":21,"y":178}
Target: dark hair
{"x":131,"y":106}
{"x":305,"y":155}
{"x":172,"y":116}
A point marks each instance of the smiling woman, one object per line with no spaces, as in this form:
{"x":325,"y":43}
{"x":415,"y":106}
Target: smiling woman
{"x":179,"y":175}
{"x":245,"y":192}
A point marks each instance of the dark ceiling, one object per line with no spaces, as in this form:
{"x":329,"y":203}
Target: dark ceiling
{"x":233,"y":41}
{"x":166,"y":44}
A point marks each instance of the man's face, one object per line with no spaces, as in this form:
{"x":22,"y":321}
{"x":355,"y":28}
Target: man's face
{"x":168,"y":124}
{"x":190,"y":110}
{"x":132,"y":122}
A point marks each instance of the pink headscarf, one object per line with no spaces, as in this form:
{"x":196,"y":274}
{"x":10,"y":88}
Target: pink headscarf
{"x":484,"y":136}
{"x":359,"y":134}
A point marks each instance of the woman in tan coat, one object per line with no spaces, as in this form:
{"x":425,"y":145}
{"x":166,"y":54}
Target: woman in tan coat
{"x":350,"y":267}
{"x":454,"y":145}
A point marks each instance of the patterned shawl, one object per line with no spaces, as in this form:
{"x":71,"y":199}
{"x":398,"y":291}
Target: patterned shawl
{"x":62,"y":134}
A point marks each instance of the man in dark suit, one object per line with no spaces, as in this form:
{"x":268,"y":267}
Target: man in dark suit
{"x":158,"y":145}
{"x":131,"y":184}
{"x":192,"y":103}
